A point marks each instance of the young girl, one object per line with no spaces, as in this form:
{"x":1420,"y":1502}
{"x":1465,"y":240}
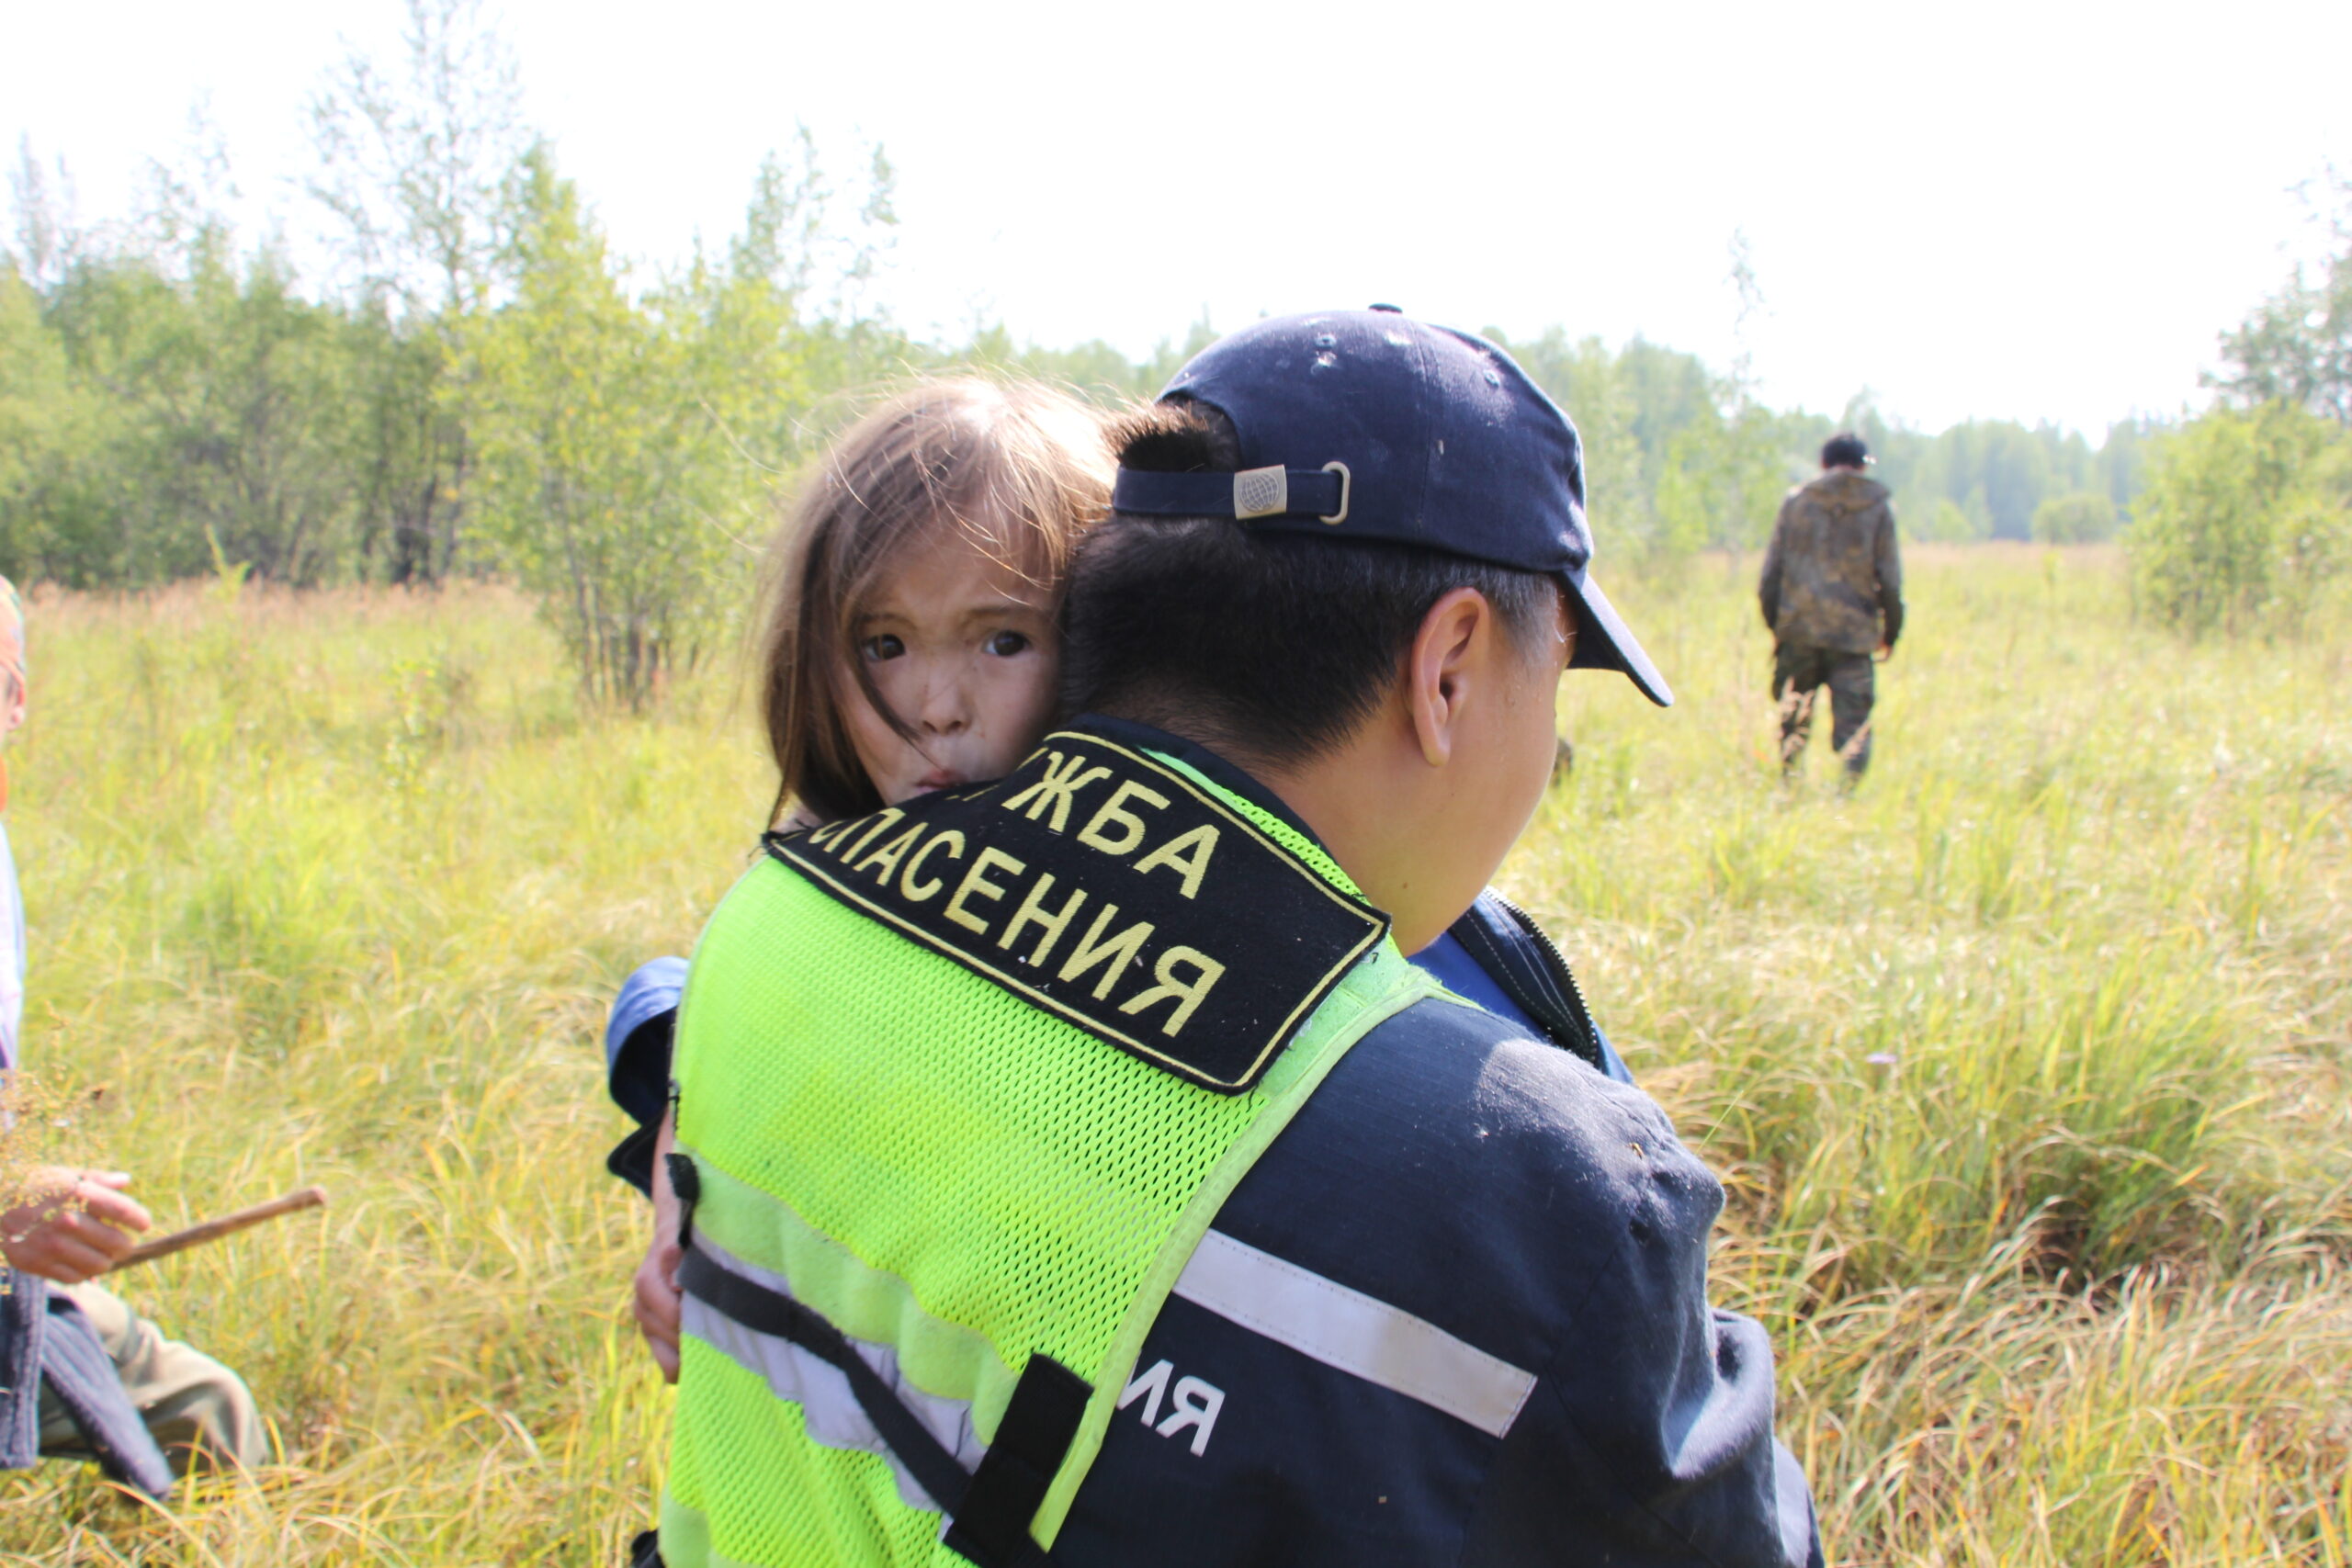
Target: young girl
{"x":913,"y":644}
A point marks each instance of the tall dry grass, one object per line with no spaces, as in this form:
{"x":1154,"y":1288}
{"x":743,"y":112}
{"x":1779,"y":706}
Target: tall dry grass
{"x":335,"y":889}
{"x":2026,"y":1063}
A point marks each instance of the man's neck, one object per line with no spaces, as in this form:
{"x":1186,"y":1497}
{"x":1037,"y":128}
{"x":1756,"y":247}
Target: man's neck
{"x":1212,"y":760}
{"x":1353,"y":798}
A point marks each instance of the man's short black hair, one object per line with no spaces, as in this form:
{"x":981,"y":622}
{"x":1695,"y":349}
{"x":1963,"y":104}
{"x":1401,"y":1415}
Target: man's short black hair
{"x":1844,"y":450}
{"x":1269,"y":647}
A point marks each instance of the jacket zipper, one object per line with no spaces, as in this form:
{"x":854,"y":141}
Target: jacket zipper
{"x":1558,"y":965}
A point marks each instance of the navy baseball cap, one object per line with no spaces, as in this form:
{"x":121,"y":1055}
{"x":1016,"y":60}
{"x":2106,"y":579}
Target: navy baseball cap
{"x":1368,"y":424}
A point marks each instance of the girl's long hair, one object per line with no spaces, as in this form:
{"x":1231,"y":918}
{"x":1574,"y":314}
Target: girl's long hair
{"x":1020,"y":468}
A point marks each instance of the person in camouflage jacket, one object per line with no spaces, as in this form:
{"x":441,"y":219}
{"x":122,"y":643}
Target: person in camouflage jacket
{"x":1832,"y":592}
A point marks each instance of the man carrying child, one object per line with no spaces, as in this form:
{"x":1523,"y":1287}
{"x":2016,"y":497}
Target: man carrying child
{"x":1074,"y":1164}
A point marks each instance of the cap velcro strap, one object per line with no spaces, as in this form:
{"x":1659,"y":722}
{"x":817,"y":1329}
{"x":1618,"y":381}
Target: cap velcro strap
{"x":1253,"y":493}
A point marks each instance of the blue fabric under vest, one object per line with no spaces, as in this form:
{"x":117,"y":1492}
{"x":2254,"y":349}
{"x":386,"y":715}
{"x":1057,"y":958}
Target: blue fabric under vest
{"x":44,"y":1338}
{"x":1450,"y":963}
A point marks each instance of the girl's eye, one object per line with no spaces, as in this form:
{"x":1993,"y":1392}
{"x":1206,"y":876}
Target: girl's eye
{"x":877,"y":648}
{"x":1004,"y":645}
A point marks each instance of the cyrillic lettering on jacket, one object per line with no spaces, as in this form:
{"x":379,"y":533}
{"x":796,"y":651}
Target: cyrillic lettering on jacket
{"x":1107,"y":887}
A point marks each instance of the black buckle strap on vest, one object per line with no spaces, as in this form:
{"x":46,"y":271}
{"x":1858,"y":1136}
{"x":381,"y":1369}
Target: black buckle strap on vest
{"x":992,"y":1526}
{"x":685,"y":1185}
{"x":988,"y":1509}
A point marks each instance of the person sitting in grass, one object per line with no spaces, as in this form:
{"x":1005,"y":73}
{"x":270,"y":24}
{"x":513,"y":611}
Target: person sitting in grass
{"x":82,"y":1375}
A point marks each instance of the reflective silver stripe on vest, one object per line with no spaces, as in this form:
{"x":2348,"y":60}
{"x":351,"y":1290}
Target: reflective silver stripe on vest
{"x":829,"y":1409}
{"x":1355,"y":1333}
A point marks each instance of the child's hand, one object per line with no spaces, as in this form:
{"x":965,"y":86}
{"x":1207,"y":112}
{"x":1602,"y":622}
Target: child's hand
{"x":654,"y":1295}
{"x":74,"y":1226}
{"x":656,"y":1302}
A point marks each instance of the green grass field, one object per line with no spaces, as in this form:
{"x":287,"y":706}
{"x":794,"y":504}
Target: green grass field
{"x":2026,"y":1066}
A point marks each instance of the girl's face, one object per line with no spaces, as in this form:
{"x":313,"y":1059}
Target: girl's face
{"x":965,"y":651}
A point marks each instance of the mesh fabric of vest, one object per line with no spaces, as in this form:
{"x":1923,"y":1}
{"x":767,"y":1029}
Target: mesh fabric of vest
{"x":936,"y":1165}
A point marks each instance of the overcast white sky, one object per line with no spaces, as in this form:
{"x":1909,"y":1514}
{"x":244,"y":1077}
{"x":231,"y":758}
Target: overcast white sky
{"x":2034,"y":211}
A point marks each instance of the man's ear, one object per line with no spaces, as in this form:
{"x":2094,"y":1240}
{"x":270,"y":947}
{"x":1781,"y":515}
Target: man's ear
{"x":1446,"y":669}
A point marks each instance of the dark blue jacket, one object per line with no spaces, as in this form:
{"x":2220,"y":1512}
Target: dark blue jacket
{"x":1460,"y":1213}
{"x":1523,"y":1205}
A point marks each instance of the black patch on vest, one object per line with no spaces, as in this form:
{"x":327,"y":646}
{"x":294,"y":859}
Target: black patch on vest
{"x":1107,"y":887}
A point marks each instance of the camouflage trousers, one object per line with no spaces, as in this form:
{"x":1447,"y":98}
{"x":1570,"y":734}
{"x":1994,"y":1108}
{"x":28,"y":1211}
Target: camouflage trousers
{"x":1798,"y":674}
{"x":191,"y":1403}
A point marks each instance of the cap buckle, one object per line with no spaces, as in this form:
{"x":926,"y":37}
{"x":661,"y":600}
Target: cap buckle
{"x":1347,"y":488}
{"x":1261,"y":492}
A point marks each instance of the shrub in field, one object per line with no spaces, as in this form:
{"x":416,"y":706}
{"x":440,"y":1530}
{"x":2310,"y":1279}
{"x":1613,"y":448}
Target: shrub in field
{"x":604,"y":489}
{"x":143,"y":407}
{"x":1948,"y":521}
{"x":2296,"y":347}
{"x":2082,"y":518}
{"x":623,"y":439}
{"x":2247,"y":520}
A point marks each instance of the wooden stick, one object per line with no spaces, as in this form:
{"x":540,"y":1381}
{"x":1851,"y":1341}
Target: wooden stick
{"x":227,"y":1224}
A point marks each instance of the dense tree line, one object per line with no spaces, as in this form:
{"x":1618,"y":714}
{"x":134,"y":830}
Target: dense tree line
{"x":463,"y":378}
{"x":1681,"y":458}
{"x":1697,"y":462}
{"x":472,"y":384}
{"x":538,"y":408}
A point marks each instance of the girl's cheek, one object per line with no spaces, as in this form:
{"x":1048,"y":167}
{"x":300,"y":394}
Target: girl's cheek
{"x":1037,"y":687}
